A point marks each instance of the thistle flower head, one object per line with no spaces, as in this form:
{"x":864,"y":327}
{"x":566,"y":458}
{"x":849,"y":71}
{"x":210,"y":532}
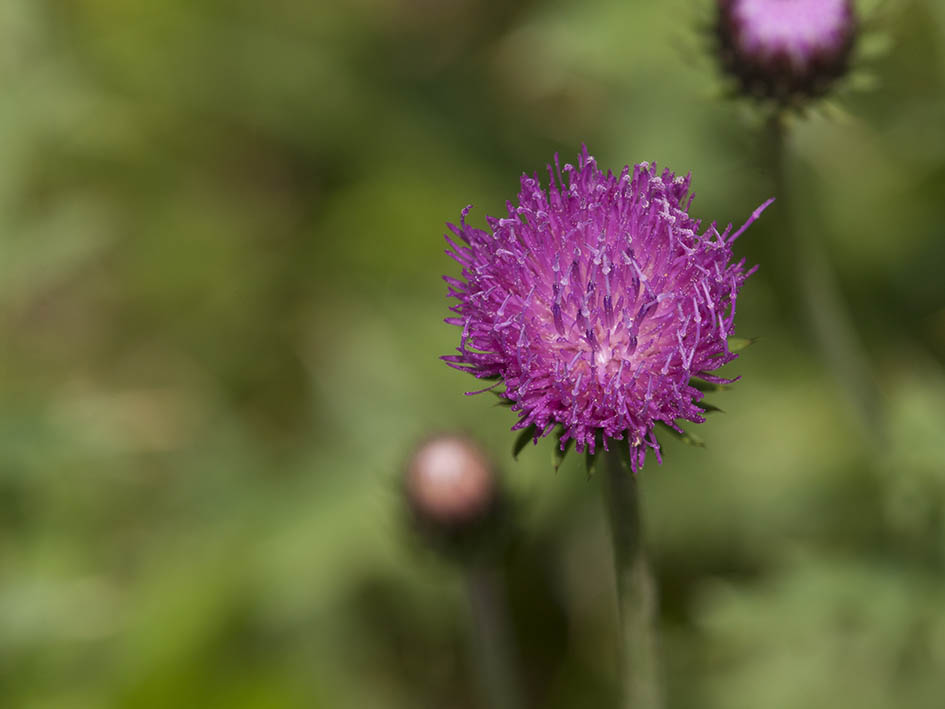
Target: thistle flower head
{"x":596,"y":300}
{"x":787,"y":50}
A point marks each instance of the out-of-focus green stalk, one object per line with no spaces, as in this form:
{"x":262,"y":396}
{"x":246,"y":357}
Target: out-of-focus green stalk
{"x":822,"y":304}
{"x":639,"y":665}
{"x":494,"y":652}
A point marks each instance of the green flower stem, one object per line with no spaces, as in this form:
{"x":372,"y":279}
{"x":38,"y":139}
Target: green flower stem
{"x":492,"y":639}
{"x":822,"y":303}
{"x":636,"y":589}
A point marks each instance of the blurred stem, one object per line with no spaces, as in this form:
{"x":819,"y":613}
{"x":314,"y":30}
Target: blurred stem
{"x":824,"y":310}
{"x":636,"y":589}
{"x":493,"y":643}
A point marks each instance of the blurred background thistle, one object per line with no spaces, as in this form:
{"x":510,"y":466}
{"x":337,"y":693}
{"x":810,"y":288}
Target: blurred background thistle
{"x":219,"y":304}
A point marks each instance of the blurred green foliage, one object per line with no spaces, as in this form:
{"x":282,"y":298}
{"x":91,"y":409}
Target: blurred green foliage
{"x":220,"y":312}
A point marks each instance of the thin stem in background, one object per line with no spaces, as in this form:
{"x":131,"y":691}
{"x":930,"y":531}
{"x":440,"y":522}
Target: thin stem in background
{"x":636,"y":590}
{"x":494,"y":653}
{"x":822,"y":303}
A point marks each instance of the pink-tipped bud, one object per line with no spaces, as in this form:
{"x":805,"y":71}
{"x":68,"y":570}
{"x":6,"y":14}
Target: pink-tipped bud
{"x":450,"y":482}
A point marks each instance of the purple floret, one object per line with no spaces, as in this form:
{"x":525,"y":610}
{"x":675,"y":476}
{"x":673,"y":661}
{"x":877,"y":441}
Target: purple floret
{"x":596,"y":303}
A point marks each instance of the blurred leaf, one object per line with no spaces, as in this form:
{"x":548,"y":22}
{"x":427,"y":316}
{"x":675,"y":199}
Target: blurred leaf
{"x":864,"y":81}
{"x":844,"y":632}
{"x":874,"y":44}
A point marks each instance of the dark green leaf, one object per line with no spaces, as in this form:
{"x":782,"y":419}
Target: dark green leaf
{"x":703,"y":385}
{"x":710,"y":408}
{"x":526,"y":435}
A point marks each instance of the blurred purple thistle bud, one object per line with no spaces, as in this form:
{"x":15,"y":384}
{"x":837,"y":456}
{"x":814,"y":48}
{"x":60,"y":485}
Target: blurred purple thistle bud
{"x":786,"y":50}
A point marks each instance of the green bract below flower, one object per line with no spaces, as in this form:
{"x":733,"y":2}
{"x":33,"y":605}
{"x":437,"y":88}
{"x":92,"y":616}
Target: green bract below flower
{"x":598,"y":303}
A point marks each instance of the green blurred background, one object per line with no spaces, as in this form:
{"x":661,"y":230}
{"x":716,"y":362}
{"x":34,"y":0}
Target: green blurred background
{"x":220,"y":317}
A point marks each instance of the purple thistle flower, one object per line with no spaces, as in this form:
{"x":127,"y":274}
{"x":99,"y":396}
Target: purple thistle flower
{"x":596,"y":303}
{"x":787,"y":50}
